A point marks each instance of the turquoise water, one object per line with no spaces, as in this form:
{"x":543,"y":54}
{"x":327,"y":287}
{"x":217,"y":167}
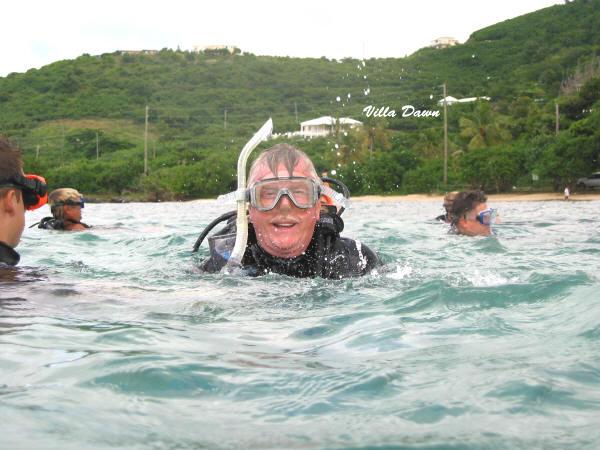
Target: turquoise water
{"x":115,"y":339}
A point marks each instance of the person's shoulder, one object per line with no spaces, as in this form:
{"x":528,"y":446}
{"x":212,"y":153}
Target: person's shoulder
{"x":358,"y":258}
{"x":77,"y":227}
{"x":50,"y":223}
{"x":361,"y":248}
{"x":8,"y":255}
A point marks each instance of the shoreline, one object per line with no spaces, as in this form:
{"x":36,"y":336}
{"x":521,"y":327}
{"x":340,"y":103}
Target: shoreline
{"x":509,"y":197}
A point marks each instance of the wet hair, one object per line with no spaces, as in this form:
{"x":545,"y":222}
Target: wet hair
{"x":449,"y":200}
{"x":465,"y":201}
{"x":58,"y":196}
{"x":11,"y":163}
{"x":287,"y":155}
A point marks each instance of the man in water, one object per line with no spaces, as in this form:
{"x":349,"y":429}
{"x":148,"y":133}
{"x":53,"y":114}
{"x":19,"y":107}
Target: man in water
{"x":66,"y":205}
{"x":289,"y":232}
{"x":448,"y":201}
{"x":18,"y":192}
{"x":471,"y":215}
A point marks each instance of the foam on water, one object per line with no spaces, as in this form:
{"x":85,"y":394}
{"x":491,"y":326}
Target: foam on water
{"x":112,"y":338}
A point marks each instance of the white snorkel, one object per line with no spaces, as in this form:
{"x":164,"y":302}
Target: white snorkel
{"x":241,"y":223}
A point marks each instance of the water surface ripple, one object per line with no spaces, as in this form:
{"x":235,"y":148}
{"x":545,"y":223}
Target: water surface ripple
{"x":112,"y":339}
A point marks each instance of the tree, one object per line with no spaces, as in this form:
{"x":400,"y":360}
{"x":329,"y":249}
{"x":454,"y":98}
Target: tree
{"x":484,"y":128}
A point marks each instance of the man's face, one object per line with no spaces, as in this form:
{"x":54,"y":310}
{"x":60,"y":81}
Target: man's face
{"x":286,"y":230}
{"x":14,"y":208}
{"x":72,"y":213}
{"x":470,"y":226}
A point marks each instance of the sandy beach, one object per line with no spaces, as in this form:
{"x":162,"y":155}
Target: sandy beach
{"x":533,"y":197}
{"x":526,"y":197}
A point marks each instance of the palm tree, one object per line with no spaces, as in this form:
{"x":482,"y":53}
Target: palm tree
{"x":484,"y":128}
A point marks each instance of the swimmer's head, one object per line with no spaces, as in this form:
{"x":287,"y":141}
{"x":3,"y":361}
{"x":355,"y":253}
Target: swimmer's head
{"x":449,"y":200}
{"x":66,"y":203}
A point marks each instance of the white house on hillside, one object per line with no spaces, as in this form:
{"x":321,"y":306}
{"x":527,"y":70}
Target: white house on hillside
{"x":325,"y":125}
{"x":443,"y":42}
{"x":451,"y":100}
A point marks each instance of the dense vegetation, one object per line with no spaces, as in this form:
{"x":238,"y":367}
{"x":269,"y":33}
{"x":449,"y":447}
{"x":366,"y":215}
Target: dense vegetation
{"x":81,"y":122}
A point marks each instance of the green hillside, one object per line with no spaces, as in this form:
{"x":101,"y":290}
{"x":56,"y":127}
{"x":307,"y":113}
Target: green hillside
{"x":81,"y":122}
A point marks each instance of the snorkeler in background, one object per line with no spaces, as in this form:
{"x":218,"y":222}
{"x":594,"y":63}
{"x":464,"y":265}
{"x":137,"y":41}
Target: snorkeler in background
{"x":448,"y":201}
{"x":290,"y":233}
{"x":66,"y":205}
{"x":18,"y":193}
{"x":471,"y":215}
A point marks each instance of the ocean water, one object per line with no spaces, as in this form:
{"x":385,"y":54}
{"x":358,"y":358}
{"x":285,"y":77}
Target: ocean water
{"x":111,"y":338}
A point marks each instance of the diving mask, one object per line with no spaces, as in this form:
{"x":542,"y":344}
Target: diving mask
{"x":487,"y":217}
{"x":80,"y":203}
{"x":33,"y":187}
{"x":302,"y":192}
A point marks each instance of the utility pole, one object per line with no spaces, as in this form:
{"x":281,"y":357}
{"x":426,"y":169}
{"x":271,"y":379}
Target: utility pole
{"x":557,"y":117}
{"x":296,"y":111}
{"x":225,"y":119}
{"x":146,"y":144}
{"x":62,"y":146}
{"x":97,"y":146}
{"x":445,"y":138}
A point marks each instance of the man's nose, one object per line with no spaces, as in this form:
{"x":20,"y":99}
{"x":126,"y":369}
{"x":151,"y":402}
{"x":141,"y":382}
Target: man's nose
{"x":284,"y":202}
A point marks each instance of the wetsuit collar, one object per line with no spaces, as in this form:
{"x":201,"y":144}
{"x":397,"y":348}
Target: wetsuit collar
{"x":299,"y":266}
{"x":8,"y":255}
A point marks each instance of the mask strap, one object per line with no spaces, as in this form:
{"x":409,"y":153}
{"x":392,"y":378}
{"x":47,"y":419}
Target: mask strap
{"x":336,"y":196}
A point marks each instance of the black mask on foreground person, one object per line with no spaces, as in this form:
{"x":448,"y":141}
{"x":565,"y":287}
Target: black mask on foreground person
{"x":18,"y":193}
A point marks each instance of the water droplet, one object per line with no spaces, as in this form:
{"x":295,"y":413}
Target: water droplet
{"x":333,"y":172}
{"x":349,"y":95}
{"x":337,"y":146}
{"x":337,"y":99}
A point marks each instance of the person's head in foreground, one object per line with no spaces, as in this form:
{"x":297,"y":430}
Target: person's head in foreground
{"x":290,"y":233}
{"x":471,"y":215}
{"x":18,"y":193}
{"x":284,"y":200}
{"x":66,"y":205}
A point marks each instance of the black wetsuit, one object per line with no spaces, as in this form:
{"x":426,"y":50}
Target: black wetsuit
{"x":8,"y":256}
{"x":442,"y":218}
{"x":328,"y":255}
{"x":50,"y":223}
